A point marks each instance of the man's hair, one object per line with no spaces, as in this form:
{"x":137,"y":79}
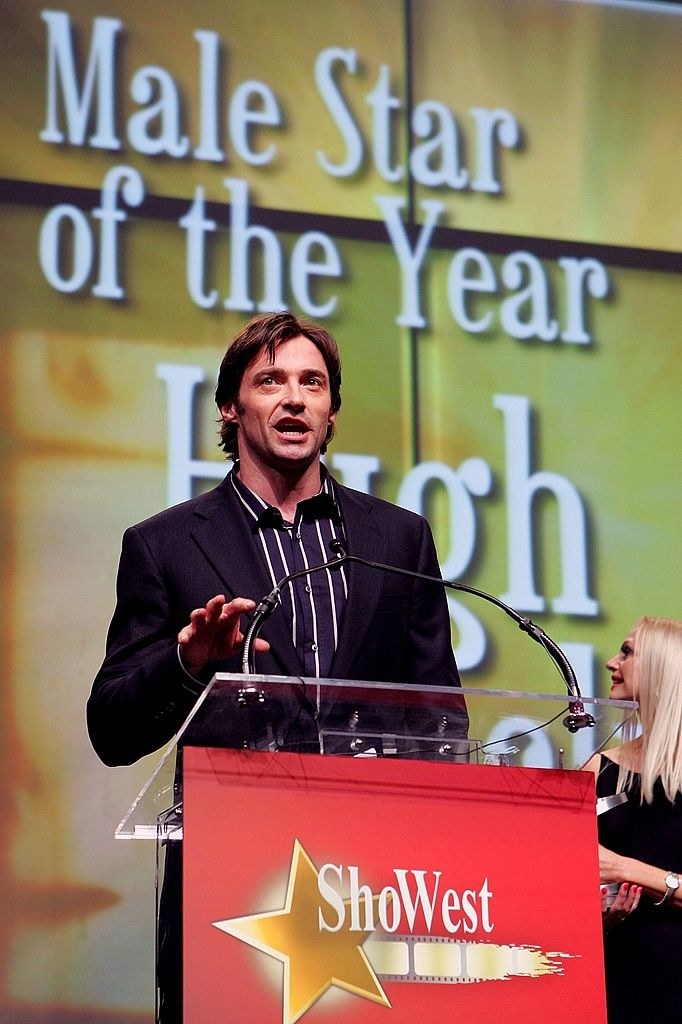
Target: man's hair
{"x":265,"y":333}
{"x":657,"y":686}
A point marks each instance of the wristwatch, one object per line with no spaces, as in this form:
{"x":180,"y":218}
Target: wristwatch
{"x":672,"y":883}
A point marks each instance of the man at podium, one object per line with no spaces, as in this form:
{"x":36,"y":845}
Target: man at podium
{"x":189,"y":576}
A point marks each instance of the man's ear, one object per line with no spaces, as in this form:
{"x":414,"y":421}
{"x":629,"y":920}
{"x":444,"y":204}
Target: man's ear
{"x":228,"y":413}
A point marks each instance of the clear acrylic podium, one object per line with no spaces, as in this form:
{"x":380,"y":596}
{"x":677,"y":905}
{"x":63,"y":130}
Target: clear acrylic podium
{"x":370,"y":719}
{"x":405,"y":739}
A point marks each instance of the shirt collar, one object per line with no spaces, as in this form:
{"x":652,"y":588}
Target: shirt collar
{"x":322,"y":505}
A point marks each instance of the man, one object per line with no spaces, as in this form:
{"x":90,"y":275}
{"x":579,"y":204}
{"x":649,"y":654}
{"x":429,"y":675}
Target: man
{"x":189,"y":576}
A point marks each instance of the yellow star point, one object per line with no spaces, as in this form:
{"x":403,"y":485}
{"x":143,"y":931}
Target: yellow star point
{"x":313,"y":960}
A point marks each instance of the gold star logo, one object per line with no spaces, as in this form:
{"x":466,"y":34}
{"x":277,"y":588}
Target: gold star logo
{"x":313,"y":960}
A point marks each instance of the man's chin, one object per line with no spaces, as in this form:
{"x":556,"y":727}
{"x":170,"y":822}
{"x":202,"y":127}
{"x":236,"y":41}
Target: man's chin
{"x":294,"y":457}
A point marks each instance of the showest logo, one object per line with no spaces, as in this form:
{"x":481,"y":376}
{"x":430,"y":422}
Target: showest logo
{"x":417,"y":895}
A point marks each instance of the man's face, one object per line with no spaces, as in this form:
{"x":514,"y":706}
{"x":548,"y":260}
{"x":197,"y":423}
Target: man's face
{"x":283,"y":408}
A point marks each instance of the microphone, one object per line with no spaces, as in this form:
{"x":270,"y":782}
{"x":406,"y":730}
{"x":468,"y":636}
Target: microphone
{"x":270,"y":601}
{"x":577,"y":718}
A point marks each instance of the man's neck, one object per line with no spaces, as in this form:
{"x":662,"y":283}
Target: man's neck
{"x":283,"y":490}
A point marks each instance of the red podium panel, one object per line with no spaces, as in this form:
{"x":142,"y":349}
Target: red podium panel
{"x":368,"y":890}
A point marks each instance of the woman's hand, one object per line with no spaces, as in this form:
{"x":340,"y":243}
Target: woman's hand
{"x":611,"y":865}
{"x":627,"y":900}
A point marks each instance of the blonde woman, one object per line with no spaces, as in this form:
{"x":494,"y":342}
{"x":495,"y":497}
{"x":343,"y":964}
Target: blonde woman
{"x":641,"y":839}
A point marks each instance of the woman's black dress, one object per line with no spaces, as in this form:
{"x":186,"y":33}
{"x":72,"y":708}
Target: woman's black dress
{"x":643,"y":955}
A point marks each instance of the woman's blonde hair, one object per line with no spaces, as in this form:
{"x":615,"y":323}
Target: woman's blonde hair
{"x":658,"y":688}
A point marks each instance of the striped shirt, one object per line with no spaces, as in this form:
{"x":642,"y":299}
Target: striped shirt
{"x":313,"y":604}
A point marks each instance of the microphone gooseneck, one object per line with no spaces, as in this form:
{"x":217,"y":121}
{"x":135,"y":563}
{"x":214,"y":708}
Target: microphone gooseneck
{"x":577,"y":717}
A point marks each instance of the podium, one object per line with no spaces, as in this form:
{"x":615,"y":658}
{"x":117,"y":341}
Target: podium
{"x":439,"y":863}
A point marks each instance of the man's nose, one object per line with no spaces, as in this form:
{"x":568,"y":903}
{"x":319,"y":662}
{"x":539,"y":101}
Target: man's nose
{"x":293,"y":396}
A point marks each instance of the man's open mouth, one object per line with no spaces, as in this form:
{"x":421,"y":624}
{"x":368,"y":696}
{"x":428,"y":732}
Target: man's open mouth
{"x":292,"y":429}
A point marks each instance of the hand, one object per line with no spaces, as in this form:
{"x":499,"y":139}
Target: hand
{"x":611,"y":865}
{"x":627,"y":900}
{"x":214,"y":632}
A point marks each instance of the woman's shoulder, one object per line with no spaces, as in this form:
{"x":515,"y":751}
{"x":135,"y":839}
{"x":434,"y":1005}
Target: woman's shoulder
{"x":626,"y":755}
{"x":601,"y":760}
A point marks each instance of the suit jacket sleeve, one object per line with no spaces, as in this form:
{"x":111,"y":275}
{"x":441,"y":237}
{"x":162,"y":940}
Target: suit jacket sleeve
{"x":141,"y":694}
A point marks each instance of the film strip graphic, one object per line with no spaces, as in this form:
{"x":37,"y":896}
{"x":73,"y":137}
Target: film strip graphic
{"x":428,"y":959}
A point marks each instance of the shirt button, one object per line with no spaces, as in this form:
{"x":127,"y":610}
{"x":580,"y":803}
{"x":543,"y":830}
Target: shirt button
{"x":308,"y":590}
{"x":313,"y":647}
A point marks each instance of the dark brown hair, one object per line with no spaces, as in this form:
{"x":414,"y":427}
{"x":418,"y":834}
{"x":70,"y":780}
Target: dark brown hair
{"x":266,"y":332}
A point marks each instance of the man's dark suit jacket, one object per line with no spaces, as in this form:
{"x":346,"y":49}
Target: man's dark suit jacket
{"x":394,"y":629}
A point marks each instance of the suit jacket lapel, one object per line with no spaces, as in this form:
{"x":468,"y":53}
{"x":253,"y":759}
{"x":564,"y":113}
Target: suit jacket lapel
{"x":366,"y":539}
{"x":223,"y":534}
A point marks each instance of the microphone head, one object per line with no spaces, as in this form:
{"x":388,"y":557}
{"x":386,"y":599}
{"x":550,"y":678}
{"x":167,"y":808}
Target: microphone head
{"x":337,"y":547}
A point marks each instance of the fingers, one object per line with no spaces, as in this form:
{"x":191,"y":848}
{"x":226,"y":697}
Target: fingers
{"x":625,"y":901}
{"x":201,"y":617}
{"x":235,"y":608}
{"x":213,"y":632}
{"x":216,"y":613}
{"x":632,"y":898}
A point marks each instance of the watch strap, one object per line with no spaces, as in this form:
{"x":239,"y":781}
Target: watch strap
{"x":669,"y":889}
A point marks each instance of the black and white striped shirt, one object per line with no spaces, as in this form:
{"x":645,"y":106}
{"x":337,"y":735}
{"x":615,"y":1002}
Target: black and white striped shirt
{"x":314,"y":603}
